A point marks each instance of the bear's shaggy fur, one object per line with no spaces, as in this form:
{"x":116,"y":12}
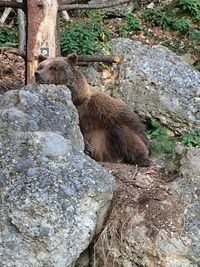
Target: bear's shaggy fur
{"x":111,"y":130}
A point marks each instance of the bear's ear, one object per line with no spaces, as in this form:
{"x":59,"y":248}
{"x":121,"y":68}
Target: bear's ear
{"x":41,"y":58}
{"x":72,"y":59}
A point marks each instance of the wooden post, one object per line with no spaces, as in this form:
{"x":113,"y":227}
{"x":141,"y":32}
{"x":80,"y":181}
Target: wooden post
{"x":42,"y":36}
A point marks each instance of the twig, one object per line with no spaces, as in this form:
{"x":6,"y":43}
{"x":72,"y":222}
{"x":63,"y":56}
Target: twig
{"x":12,"y":4}
{"x":93,"y":6}
{"x":65,"y":15}
{"x":5,"y":15}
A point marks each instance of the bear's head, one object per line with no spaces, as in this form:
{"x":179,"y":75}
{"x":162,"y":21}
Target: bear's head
{"x":57,"y":70}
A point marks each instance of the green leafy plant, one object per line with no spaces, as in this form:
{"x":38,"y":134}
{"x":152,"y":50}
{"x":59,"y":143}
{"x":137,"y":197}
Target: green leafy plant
{"x":8,"y":36}
{"x":130,"y":25}
{"x":191,"y":139}
{"x":180,"y":8}
{"x":194,"y":36}
{"x":156,"y":17}
{"x":84,"y":38}
{"x":161,"y":142}
{"x":181,"y":25}
{"x":133,"y":23}
{"x":96,"y":15}
{"x":190,"y":6}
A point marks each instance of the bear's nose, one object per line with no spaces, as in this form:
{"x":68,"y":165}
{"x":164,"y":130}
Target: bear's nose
{"x":37,"y":75}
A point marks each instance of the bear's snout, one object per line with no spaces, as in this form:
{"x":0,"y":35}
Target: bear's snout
{"x":37,"y":75}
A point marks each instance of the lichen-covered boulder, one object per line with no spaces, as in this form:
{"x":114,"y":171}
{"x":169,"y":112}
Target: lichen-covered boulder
{"x":53,"y":197}
{"x":158,"y":84}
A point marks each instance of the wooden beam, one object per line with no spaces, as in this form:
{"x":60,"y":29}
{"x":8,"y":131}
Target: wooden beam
{"x":12,"y":4}
{"x":42,"y":34}
{"x":93,"y":6}
{"x":66,"y":2}
{"x":99,"y":58}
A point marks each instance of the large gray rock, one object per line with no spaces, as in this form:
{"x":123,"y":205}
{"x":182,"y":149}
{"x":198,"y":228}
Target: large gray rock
{"x":52,"y":196}
{"x":155,"y":82}
{"x":158,"y":84}
{"x":154,"y":222}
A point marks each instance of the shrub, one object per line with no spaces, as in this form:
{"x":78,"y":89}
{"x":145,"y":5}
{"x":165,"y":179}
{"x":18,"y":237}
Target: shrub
{"x":96,"y":15}
{"x":9,"y":36}
{"x":191,"y":139}
{"x":156,"y":17}
{"x":133,"y":23}
{"x":182,"y":8}
{"x":192,"y":7}
{"x":161,"y":142}
{"x":194,"y":36}
{"x":181,"y":25}
{"x":84,"y":38}
{"x":130,"y":25}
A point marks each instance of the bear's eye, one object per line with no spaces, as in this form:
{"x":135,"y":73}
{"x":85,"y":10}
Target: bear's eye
{"x":39,"y":67}
{"x":52,"y":68}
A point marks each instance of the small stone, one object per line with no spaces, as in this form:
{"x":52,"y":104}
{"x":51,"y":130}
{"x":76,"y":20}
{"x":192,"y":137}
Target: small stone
{"x":32,"y":171}
{"x":2,"y":179}
{"x":14,"y":115}
{"x":23,"y":165}
{"x":44,"y":231}
{"x":32,"y":125}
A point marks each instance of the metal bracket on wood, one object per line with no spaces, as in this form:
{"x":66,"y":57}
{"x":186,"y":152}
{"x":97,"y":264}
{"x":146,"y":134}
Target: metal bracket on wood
{"x":44,"y":51}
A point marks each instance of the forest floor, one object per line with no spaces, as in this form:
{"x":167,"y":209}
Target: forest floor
{"x":12,"y":70}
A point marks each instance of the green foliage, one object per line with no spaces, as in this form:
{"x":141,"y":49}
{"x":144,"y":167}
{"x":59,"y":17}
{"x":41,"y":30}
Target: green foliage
{"x":175,"y":16}
{"x":133,"y":23}
{"x":192,"y":7}
{"x":194,"y":36}
{"x":181,"y":25}
{"x":96,"y":15}
{"x":84,"y":38}
{"x":9,"y":36}
{"x":184,"y":8}
{"x":161,"y":142}
{"x":156,"y":17}
{"x":79,"y":38}
{"x":130,"y":25}
{"x":191,"y":139}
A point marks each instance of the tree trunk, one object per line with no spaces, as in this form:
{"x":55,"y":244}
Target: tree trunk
{"x":42,"y":36}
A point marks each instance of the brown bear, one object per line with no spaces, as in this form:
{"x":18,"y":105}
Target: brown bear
{"x":111,"y":130}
